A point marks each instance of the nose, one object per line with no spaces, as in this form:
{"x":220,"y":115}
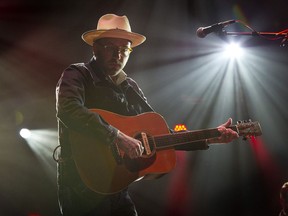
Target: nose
{"x":117,"y":54}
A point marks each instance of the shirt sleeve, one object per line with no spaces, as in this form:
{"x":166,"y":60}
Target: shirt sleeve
{"x":70,"y":105}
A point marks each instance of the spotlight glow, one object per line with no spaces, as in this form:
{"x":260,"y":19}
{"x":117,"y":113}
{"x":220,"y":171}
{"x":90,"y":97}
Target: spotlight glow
{"x":233,"y":50}
{"x":25,"y":133}
{"x":43,"y":142}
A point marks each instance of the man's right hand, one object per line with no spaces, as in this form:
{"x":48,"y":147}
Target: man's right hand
{"x":132,"y":147}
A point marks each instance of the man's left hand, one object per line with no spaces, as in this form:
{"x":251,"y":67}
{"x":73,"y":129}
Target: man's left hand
{"x":227,"y":134}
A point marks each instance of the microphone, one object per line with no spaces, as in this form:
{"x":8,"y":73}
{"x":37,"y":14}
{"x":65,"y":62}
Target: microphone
{"x":204,"y":31}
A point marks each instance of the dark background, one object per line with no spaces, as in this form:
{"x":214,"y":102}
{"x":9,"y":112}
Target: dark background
{"x":183,"y":78}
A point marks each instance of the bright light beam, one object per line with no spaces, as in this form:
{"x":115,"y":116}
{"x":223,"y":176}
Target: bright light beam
{"x":25,"y":133}
{"x":42,"y":142}
{"x":233,"y":51}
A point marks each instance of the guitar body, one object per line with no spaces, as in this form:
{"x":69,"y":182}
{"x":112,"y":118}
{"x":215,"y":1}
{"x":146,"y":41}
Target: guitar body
{"x":97,"y":165}
{"x":106,"y":170}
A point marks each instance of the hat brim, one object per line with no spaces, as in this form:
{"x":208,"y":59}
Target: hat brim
{"x":90,"y":36}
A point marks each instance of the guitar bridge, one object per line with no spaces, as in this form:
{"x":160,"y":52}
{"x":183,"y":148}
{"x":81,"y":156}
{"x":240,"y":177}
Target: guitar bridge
{"x":146,"y":143}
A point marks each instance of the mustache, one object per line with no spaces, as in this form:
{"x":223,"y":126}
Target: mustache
{"x":115,"y":61}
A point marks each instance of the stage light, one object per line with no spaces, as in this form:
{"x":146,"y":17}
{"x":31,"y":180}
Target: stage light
{"x":42,"y":142}
{"x":180,"y":127}
{"x":25,"y":133}
{"x":233,"y":50}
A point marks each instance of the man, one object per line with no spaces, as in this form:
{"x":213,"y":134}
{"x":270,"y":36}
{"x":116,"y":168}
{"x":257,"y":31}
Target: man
{"x":102,"y":84}
{"x":284,"y":199}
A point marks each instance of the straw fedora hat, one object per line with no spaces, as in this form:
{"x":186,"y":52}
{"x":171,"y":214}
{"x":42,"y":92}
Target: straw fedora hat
{"x":113,"y":26}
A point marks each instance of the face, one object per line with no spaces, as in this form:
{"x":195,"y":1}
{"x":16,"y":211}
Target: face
{"x":284,"y":196}
{"x":112,"y":54}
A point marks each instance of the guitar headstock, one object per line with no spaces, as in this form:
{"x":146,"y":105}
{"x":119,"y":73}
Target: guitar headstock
{"x":249,"y":128}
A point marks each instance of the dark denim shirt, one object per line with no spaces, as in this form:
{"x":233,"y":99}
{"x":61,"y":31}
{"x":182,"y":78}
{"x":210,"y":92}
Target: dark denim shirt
{"x":82,"y":87}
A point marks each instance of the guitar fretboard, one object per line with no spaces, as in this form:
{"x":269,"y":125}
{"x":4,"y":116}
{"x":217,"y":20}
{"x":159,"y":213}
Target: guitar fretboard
{"x":169,"y":140}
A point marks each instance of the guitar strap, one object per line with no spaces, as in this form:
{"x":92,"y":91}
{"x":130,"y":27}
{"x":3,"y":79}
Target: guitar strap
{"x":126,"y":86}
{"x":136,"y":96}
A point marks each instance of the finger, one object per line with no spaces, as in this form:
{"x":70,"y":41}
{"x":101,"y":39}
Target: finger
{"x":142,"y":149}
{"x":134,"y":153}
{"x":222,"y":130}
{"x":232,"y":134}
{"x":227,"y":123}
{"x":224,"y":135}
{"x":131,"y":153}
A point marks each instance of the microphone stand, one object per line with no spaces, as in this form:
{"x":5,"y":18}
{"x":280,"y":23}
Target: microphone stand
{"x":272,"y":34}
{"x":267,"y":35}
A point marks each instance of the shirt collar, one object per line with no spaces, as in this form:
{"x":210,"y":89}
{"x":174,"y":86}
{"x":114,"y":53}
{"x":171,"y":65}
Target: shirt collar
{"x":121,"y":76}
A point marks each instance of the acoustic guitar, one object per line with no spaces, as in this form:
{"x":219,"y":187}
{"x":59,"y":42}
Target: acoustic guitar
{"x":106,"y":169}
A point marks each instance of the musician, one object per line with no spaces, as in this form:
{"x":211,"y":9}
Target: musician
{"x":284,"y":199}
{"x":101,"y":83}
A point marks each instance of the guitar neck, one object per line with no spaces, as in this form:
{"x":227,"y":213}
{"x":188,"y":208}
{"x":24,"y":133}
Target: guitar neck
{"x":181,"y":138}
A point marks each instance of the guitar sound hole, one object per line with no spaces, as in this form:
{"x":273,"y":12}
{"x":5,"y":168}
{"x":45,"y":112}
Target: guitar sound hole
{"x":146,"y":160}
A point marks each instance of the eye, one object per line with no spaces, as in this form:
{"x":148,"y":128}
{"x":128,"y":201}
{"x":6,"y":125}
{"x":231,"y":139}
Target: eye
{"x":124,"y":51}
{"x":110,"y":48}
